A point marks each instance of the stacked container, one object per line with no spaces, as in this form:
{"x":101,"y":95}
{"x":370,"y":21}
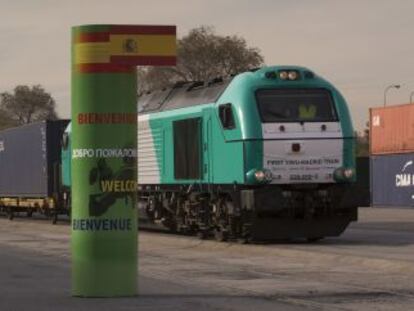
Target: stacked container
{"x":392,"y":155}
{"x":30,"y":160}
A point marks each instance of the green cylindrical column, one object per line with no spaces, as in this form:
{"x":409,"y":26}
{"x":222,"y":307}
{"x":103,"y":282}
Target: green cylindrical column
{"x":104,"y":138}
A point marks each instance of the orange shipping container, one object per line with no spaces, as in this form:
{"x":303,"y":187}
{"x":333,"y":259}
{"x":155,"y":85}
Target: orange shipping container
{"x":392,"y":129}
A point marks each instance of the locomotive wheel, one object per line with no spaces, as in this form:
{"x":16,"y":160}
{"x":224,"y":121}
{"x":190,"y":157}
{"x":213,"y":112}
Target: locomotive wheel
{"x":221,"y":235}
{"x":244,"y":236}
{"x":243,"y":240}
{"x":172,"y":227}
{"x":202,"y":234}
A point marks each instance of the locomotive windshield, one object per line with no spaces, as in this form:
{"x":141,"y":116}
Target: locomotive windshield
{"x":296,"y":105}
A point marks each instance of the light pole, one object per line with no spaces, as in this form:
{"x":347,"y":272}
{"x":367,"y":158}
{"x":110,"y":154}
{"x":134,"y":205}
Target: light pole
{"x":411,"y":97}
{"x":392,"y":86}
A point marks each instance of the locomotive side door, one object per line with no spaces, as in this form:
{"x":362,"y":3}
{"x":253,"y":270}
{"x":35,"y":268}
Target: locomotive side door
{"x":188,"y":153}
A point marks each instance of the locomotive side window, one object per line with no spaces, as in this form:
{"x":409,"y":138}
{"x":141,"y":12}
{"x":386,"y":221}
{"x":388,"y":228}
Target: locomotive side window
{"x":296,"y":105}
{"x":187,"y":148}
{"x":226,"y":116}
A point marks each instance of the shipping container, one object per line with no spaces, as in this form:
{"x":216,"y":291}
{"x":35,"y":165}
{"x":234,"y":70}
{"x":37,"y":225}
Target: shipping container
{"x":392,"y":129}
{"x":392,"y":180}
{"x":30,"y":160}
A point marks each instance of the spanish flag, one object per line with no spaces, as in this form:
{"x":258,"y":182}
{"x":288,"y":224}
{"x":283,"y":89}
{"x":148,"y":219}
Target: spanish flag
{"x":113,"y":48}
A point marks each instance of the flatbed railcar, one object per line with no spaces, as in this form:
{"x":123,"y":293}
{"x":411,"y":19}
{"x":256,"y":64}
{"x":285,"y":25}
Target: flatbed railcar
{"x":266,"y":154}
{"x":30,"y":169}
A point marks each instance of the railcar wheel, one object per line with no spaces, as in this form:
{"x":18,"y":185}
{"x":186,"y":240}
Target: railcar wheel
{"x":202,"y":234}
{"x":46,"y":212}
{"x":29,"y":213}
{"x":54,"y":218}
{"x":10,"y":214}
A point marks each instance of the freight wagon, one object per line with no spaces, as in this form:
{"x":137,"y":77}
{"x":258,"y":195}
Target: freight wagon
{"x":30,"y":169}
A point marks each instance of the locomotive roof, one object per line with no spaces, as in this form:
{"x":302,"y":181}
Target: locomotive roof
{"x":183,"y":95}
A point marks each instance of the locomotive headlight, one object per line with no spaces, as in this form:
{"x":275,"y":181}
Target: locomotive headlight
{"x":348,"y":173}
{"x":260,"y":176}
{"x":292,"y":75}
{"x":255,"y":176}
{"x":283,"y":75}
{"x":344,"y":174}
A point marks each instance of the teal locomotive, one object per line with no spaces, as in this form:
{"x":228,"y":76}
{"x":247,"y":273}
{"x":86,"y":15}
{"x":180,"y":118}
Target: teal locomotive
{"x":265,"y":154}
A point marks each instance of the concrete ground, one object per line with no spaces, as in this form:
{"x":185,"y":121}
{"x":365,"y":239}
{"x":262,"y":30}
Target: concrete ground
{"x":370,"y":267}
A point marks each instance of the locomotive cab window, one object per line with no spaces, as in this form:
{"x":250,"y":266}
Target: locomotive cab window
{"x":296,"y":105}
{"x":226,"y":116}
{"x":187,"y":148}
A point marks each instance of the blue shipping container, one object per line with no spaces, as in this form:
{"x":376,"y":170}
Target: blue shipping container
{"x":392,"y":180}
{"x":30,"y":159}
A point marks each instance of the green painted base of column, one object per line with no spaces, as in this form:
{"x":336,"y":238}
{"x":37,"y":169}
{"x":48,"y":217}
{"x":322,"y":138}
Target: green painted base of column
{"x":104,"y":219}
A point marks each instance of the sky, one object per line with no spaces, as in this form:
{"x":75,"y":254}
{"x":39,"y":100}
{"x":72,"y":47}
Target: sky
{"x":360,"y":46}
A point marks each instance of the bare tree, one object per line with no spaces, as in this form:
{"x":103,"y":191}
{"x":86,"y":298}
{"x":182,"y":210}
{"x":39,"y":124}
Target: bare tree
{"x":362,"y":142}
{"x":27,"y":104}
{"x":203,"y":55}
